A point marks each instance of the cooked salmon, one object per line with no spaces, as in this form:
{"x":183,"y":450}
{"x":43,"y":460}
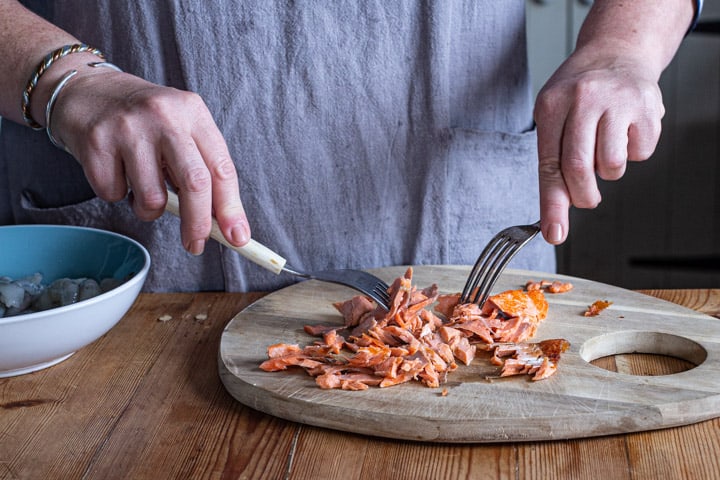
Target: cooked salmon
{"x":411,"y":342}
{"x":597,"y":307}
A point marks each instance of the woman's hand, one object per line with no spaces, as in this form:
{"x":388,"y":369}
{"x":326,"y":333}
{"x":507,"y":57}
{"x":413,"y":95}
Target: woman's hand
{"x":592,"y":118}
{"x":132,"y":135}
{"x":603,"y":107}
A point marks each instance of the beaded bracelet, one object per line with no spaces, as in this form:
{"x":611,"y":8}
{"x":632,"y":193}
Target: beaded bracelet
{"x":56,"y":92}
{"x":49,"y":59}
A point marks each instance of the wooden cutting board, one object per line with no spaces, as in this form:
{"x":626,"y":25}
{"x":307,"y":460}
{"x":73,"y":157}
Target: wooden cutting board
{"x":580,"y":400}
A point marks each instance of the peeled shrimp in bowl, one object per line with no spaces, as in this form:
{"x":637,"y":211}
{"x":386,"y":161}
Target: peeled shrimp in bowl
{"x":62,"y":288}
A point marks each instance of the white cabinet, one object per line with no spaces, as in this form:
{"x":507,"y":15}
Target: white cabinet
{"x":658,"y":227}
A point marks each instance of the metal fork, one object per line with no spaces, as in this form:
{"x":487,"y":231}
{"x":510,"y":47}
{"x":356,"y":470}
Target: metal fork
{"x":493,"y":260}
{"x":258,"y":253}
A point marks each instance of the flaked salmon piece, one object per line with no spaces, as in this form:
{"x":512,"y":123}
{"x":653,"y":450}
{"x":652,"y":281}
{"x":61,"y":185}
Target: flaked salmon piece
{"x":597,"y":307}
{"x":399,"y":351}
{"x":541,"y":304}
{"x":431,"y":319}
{"x":464,"y":312}
{"x":559,"y":287}
{"x":537,"y":359}
{"x":354,"y":385}
{"x":545,"y":370}
{"x":518,"y":303}
{"x":319,"y":330}
{"x":402,"y":377}
{"x":367,"y":339}
{"x":446,"y":304}
{"x":367,"y":322}
{"x":334,"y":341}
{"x":327,"y":381}
{"x":463,"y":351}
{"x":402,"y":334}
{"x":555,"y":286}
{"x":354,"y":309}
{"x":400,"y":292}
{"x":516,"y":329}
{"x":479,"y":328}
{"x":281,"y":349}
{"x":429,"y":376}
{"x":449,"y":333}
{"x":281,"y":363}
{"x":455,"y":347}
{"x":447,"y":353}
{"x":383,"y":336}
{"x":434,"y":359}
{"x":533,"y":285}
{"x":369,"y":356}
{"x":388,"y":368}
{"x":346,"y":381}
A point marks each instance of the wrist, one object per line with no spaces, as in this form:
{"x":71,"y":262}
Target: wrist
{"x":49,"y":109}
{"x":616,"y":55}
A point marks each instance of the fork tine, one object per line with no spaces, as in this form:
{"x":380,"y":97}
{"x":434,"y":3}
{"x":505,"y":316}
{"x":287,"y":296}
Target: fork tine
{"x":493,"y":260}
{"x":359,"y":280}
{"x":493,"y":272}
{"x":381,"y":290}
{"x":480,"y":267}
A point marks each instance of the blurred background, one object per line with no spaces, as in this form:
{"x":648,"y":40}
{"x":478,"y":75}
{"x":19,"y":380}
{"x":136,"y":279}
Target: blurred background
{"x":659,"y":227}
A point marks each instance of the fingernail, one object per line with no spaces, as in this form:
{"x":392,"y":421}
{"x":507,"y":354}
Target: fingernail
{"x":197,"y":247}
{"x":555,"y":233}
{"x":240,"y":234}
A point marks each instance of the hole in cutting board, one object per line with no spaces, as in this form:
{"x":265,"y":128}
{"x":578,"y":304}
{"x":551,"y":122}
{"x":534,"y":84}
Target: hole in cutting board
{"x":616,"y":349}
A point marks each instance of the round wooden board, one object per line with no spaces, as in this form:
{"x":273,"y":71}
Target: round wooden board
{"x":580,"y":400}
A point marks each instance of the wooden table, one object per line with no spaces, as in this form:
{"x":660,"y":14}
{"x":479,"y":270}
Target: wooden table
{"x":145,"y":401}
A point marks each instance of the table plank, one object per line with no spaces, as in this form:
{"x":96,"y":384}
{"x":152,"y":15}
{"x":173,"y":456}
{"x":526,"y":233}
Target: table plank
{"x":145,"y":401}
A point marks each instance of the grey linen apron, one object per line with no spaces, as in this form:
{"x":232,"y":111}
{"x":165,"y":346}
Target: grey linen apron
{"x":365,"y":133}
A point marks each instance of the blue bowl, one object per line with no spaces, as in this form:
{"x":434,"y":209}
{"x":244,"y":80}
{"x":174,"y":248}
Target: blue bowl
{"x":37,"y":340}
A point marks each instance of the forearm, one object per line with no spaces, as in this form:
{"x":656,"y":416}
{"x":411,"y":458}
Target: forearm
{"x":646,"y":32}
{"x":25,"y":39}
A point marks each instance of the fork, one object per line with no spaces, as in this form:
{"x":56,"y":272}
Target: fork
{"x":364,"y":282}
{"x":493,"y":260}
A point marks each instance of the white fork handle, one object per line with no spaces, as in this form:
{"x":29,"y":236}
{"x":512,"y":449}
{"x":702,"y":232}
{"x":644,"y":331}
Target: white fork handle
{"x":254,"y":251}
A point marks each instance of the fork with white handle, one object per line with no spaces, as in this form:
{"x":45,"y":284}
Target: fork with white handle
{"x":493,"y":260}
{"x":258,"y":253}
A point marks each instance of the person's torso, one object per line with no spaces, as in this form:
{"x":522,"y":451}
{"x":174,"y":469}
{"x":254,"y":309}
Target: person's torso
{"x":364,"y":133}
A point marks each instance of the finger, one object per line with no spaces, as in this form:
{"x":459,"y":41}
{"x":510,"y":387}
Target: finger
{"x":646,"y":125}
{"x":227,"y":206}
{"x":577,"y":159}
{"x":643,"y":137}
{"x":104,"y":171}
{"x":612,"y":147}
{"x":554,"y":201}
{"x":146,"y":179}
{"x":554,"y":196}
{"x":191,"y":177}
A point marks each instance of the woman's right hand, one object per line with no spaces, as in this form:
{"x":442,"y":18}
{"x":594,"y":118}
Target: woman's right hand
{"x":131,"y":135}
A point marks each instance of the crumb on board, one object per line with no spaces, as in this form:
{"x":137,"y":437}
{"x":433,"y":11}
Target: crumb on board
{"x":201,"y":317}
{"x":444,"y":392}
{"x":164,"y":318}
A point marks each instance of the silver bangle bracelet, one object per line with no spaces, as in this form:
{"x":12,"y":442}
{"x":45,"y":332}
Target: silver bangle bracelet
{"x":56,"y":92}
{"x":51,"y":106}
